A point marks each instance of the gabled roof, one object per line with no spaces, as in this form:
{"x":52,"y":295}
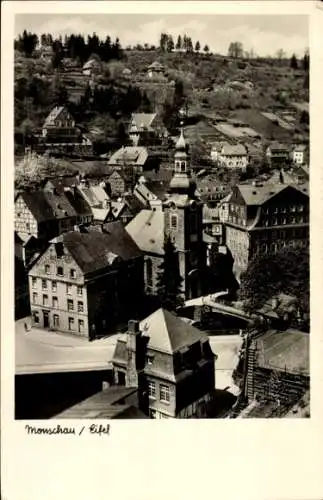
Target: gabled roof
{"x":147,"y":230}
{"x":168,"y":333}
{"x":37,"y":203}
{"x":53,"y":115}
{"x":95,"y":251}
{"x":46,"y":206}
{"x":140,"y":120}
{"x":129,"y":155}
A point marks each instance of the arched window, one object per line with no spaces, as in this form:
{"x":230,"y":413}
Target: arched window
{"x":183,"y":166}
{"x":177,"y":166}
{"x":149,"y":272}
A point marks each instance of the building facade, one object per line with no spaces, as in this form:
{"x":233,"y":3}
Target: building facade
{"x":171,"y":363}
{"x":84,"y":283}
{"x":263,"y":219}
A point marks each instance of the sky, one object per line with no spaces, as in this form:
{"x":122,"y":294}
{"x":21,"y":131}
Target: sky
{"x":265,"y":34}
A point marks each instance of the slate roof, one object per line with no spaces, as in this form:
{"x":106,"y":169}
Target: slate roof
{"x":78,"y":201}
{"x":147,"y":230}
{"x":110,"y":403}
{"x":46,"y":206}
{"x":257,"y":195}
{"x":95,"y":251}
{"x":168,"y":333}
{"x":131,"y":155}
{"x":134,"y":204}
{"x":280,"y":350}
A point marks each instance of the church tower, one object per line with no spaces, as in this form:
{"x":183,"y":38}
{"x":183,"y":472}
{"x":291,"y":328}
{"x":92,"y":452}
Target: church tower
{"x":183,"y":222}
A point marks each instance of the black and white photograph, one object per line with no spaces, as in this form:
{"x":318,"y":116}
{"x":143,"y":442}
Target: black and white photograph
{"x":161,"y":216}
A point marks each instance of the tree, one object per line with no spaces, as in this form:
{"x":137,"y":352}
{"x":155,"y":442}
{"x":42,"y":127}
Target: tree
{"x":27,"y":128}
{"x":169,"y":279}
{"x":206,"y":49}
{"x":285,"y":272}
{"x":27,"y":43}
{"x":197,"y":46}
{"x":293,"y":62}
{"x":170,"y":44}
{"x":163,"y":42}
{"x":235,"y":50}
{"x":306,"y":62}
{"x":179,"y":43}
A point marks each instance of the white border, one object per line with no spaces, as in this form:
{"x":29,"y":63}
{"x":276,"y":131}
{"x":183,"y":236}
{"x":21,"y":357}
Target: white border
{"x":148,"y":460}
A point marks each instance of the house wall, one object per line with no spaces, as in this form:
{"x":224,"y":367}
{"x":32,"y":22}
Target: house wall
{"x":25,"y":222}
{"x":237,"y":240}
{"x":239,"y":161}
{"x":63,"y":288}
{"x":117,"y":184}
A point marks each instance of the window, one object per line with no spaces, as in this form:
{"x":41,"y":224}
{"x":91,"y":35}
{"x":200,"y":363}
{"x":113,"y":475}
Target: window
{"x":150,"y":359}
{"x":56,"y":320}
{"x":69,"y":289}
{"x":47,"y":268}
{"x":36,"y":317}
{"x":70,"y":305}
{"x":152,"y":413}
{"x":34,"y":282}
{"x":293,"y":208}
{"x":183,"y":166}
{"x":27,"y":226}
{"x":164,"y":393}
{"x":35,"y":298}
{"x":151,"y":389}
{"x":80,"y":308}
{"x":55,"y":302}
{"x":71,"y":323}
{"x":72,"y":273}
{"x":54,"y":286}
{"x":45,"y":300}
{"x":79,"y":290}
{"x":149,"y":272}
{"x":300,"y":208}
{"x":275,"y":221}
{"x":60,"y":271}
{"x":44,"y":284}
{"x":81,"y":325}
{"x":173,"y":221}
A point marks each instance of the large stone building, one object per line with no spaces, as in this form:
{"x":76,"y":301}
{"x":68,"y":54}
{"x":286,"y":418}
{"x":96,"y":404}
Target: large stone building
{"x":178,"y":218}
{"x":86,"y":283}
{"x":172,"y":365}
{"x":264,"y":218}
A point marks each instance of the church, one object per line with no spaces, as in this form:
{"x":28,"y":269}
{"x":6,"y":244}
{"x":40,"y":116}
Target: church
{"x":179,"y":218}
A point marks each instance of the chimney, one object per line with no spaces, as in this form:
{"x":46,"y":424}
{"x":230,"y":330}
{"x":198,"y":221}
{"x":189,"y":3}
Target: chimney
{"x":134,"y":354}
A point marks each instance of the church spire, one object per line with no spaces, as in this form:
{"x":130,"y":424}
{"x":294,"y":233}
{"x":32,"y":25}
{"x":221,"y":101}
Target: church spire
{"x":181,"y":181}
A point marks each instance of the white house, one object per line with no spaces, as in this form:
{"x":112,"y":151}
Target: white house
{"x":298,"y":154}
{"x":230,"y":156}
